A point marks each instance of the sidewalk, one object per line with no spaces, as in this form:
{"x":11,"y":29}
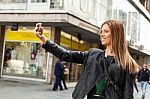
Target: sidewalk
{"x":138,"y":95}
{"x":17,"y":90}
{"x":23,"y":90}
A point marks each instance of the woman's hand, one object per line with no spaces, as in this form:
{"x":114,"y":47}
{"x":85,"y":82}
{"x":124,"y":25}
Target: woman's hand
{"x":39,"y":32}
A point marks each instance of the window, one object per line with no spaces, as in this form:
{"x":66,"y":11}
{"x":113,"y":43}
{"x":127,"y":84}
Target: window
{"x":134,"y":26}
{"x":114,"y":14}
{"x":123,"y":18}
{"x":83,"y":5}
{"x":146,"y":4}
{"x":56,"y":4}
{"x":92,"y":8}
{"x":129,"y":22}
{"x":38,"y":1}
{"x":76,"y":3}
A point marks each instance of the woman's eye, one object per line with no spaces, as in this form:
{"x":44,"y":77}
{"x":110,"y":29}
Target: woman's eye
{"x":105,"y":31}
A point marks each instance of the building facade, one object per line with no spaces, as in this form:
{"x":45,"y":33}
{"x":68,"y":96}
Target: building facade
{"x":72,"y":24}
{"x":146,"y":4}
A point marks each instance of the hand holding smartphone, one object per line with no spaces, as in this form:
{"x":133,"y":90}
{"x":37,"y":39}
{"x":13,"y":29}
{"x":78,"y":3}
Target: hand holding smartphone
{"x":39,"y":32}
{"x":39,"y":29}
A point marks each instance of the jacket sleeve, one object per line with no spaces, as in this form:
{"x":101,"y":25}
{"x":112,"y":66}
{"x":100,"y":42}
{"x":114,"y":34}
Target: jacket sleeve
{"x":63,"y":54}
{"x":139,"y":76}
{"x":128,"y":88}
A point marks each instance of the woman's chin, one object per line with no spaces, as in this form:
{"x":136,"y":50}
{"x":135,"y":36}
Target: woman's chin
{"x":103,"y":43}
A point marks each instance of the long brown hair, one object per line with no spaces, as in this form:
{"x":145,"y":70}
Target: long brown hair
{"x":119,"y":46}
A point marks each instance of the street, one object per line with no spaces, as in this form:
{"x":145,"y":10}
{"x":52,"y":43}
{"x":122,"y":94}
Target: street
{"x":17,"y":90}
{"x":138,"y":95}
{"x":23,"y":90}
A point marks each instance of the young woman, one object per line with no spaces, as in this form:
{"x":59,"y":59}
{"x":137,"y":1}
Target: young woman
{"x":108,"y":74}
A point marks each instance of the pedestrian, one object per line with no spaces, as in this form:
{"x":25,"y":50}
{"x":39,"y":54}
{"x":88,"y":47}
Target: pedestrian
{"x":7,"y":58}
{"x":58,"y":72}
{"x":144,"y":78}
{"x":64,"y":76}
{"x":108,"y":74}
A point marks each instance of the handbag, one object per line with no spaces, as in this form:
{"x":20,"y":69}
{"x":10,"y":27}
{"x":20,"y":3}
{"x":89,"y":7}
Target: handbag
{"x":113,"y":83}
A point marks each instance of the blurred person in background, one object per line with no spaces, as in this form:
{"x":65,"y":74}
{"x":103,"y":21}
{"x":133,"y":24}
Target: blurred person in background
{"x":58,"y":72}
{"x":144,"y":78}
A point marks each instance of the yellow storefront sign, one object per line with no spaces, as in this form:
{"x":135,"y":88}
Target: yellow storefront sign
{"x":73,"y":45}
{"x":23,"y":35}
{"x":29,"y":36}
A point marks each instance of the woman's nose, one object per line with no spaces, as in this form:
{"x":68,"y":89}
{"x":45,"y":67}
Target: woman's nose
{"x":101,"y":34}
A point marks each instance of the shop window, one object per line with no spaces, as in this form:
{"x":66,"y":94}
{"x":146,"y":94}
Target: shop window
{"x":25,"y":59}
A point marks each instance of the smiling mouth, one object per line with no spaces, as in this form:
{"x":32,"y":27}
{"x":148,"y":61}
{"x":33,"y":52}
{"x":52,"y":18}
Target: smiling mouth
{"x":102,"y":39}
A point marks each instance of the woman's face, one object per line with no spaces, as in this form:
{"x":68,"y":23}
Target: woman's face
{"x":105,"y":35}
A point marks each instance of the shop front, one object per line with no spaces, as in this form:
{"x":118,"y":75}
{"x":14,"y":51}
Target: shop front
{"x":24,"y":56}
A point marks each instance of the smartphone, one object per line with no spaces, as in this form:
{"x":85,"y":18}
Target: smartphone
{"x":38,"y":27}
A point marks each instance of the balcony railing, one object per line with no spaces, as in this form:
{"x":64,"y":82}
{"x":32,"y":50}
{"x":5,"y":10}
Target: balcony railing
{"x":31,"y":6}
{"x":13,"y":6}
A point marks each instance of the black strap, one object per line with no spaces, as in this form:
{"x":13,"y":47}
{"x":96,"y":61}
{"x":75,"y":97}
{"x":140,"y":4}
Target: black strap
{"x":113,"y":83}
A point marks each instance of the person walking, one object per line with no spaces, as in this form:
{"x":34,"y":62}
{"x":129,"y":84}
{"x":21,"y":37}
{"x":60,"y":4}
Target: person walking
{"x":144,"y":78}
{"x":58,"y":72}
{"x":108,"y":73}
{"x":64,"y":77}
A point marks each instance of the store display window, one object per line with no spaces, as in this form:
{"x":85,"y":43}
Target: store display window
{"x":25,"y":59}
{"x":24,"y":55}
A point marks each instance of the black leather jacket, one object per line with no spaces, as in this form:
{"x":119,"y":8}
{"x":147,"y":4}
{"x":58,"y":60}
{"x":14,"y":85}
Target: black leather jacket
{"x":93,"y":61}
